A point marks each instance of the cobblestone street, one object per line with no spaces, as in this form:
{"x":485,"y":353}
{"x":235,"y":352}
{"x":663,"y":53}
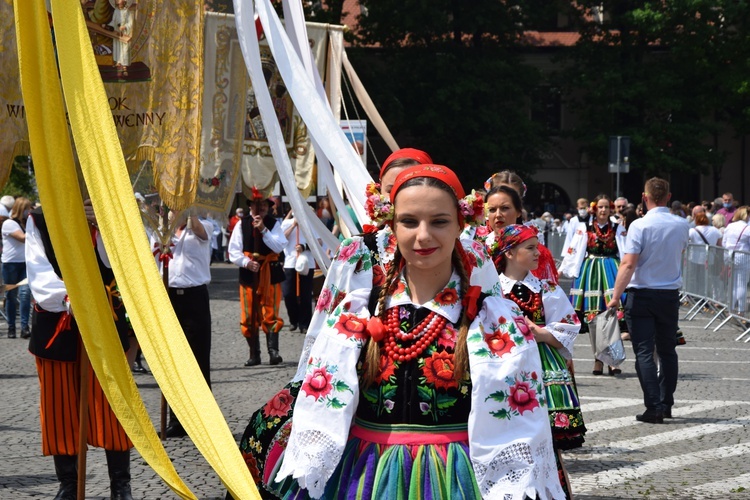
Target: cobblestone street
{"x":703,"y":452}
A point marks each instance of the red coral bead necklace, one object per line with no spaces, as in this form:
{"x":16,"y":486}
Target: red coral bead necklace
{"x":424,"y":333}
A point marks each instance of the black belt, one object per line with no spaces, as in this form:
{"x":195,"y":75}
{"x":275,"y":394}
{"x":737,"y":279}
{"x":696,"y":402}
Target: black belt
{"x":188,"y":290}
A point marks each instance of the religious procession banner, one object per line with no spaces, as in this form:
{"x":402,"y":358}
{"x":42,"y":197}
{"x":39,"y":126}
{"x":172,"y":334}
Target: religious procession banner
{"x":233,"y":132}
{"x":14,"y":135}
{"x":149,"y":54}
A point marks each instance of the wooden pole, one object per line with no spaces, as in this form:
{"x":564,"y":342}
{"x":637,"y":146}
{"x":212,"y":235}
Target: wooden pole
{"x":165,"y":279}
{"x":83,"y":421}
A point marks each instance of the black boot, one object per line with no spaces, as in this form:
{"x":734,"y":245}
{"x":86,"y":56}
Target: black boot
{"x":254,"y":344}
{"x":66,"y":468}
{"x":174,"y":429}
{"x":118,"y":465}
{"x":138,"y":363}
{"x":272,"y":339}
{"x":11,"y":331}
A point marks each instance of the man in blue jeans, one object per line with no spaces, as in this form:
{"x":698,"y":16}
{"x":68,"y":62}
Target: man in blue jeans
{"x":651,"y":274}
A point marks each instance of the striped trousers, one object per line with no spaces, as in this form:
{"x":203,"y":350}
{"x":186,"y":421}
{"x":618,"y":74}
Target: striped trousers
{"x":270,"y":300}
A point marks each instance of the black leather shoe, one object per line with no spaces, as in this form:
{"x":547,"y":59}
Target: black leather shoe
{"x":253,"y":361}
{"x":175,"y":430}
{"x":11,"y":332}
{"x":25,"y":332}
{"x":667,"y":413}
{"x":650,"y":418}
{"x":292,"y":328}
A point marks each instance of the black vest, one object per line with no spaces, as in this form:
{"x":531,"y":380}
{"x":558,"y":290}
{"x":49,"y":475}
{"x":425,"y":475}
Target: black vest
{"x":44,"y":323}
{"x":248,"y":244}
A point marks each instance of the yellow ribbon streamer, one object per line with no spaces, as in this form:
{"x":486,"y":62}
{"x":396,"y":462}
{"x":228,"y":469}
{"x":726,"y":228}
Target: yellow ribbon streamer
{"x":69,"y":232}
{"x":149,"y":309}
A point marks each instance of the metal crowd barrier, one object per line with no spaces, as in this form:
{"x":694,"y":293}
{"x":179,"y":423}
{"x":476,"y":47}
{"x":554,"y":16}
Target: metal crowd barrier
{"x":715,"y":279}
{"x":554,"y":244}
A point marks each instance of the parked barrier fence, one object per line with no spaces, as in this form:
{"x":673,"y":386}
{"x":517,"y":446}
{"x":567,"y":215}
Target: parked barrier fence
{"x":715,"y":279}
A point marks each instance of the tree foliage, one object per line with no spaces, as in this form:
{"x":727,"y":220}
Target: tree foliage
{"x":449,"y":78}
{"x":663,"y":73}
{"x":21,"y":181}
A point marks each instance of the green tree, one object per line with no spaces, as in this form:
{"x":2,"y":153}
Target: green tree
{"x":21,"y":181}
{"x":658,"y":72}
{"x":449,"y":78}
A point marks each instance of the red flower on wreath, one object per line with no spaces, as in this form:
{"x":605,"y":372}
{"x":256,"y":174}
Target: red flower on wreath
{"x":279,"y":405}
{"x":215,"y":181}
{"x":522,"y":397}
{"x":438,"y":370}
{"x":447,"y":297}
{"x":499,"y":342}
{"x":318,"y":383}
{"x":386,"y":369}
{"x":351,"y":325}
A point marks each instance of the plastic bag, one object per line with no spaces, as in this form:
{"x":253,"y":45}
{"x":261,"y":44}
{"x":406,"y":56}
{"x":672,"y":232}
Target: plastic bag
{"x":302,"y":265}
{"x":606,"y":342}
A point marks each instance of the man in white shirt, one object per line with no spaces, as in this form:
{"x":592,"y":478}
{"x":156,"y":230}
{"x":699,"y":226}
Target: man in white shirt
{"x":189,"y":275}
{"x":651,"y":273}
{"x":254,"y":246}
{"x":298,"y":285}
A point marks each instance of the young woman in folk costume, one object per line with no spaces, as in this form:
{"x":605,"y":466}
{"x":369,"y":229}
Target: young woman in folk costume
{"x":555,"y":325}
{"x":547,"y":268}
{"x":592,"y":258}
{"x":439,"y":394}
{"x":267,"y":432}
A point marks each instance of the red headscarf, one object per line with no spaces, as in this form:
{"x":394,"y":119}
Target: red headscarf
{"x":411,"y":153}
{"x":439,"y":172}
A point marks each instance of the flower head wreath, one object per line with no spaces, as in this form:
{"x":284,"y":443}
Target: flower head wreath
{"x":378,"y":206}
{"x":472,"y":208}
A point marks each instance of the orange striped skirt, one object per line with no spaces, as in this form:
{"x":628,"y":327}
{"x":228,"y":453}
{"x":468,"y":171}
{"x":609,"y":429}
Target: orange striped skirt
{"x":60,"y":389}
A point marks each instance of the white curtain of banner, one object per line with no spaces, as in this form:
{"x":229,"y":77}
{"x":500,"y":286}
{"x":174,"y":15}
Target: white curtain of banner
{"x":314,"y":110}
{"x":294,"y":18}
{"x":248,"y":40}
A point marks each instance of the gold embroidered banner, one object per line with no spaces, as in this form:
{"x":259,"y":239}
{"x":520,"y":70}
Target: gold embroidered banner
{"x":233,"y":133}
{"x":149,"y":54}
{"x":14,"y":136}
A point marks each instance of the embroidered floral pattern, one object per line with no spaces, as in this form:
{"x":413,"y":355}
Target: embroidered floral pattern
{"x":352,"y":327}
{"x":438,"y":370}
{"x":279,"y":405}
{"x":524,"y":393}
{"x":498,"y":339}
{"x":448,"y":296}
{"x":321,"y":385}
{"x":348,"y":250}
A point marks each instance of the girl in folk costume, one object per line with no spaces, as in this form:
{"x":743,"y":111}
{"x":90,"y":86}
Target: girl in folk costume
{"x":547,"y":268}
{"x":435,"y":393}
{"x":555,"y":326}
{"x":268,"y":430}
{"x":592,"y":258}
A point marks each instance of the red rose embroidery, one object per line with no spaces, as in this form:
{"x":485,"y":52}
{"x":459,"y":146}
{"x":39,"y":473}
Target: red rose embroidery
{"x":318,"y":383}
{"x":378,"y":276}
{"x":447,"y":338}
{"x":522,"y":397}
{"x":562,"y":420}
{"x":215,"y":181}
{"x":386,"y":370}
{"x":337,"y":300}
{"x":350,"y":326}
{"x":279,"y":405}
{"x":390,"y":245}
{"x":252,"y":466}
{"x":324,"y":300}
{"x":523,"y":327}
{"x":399,"y":288}
{"x":438,"y":370}
{"x":347,"y":251}
{"x":499,"y":343}
{"x":447,"y":297}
